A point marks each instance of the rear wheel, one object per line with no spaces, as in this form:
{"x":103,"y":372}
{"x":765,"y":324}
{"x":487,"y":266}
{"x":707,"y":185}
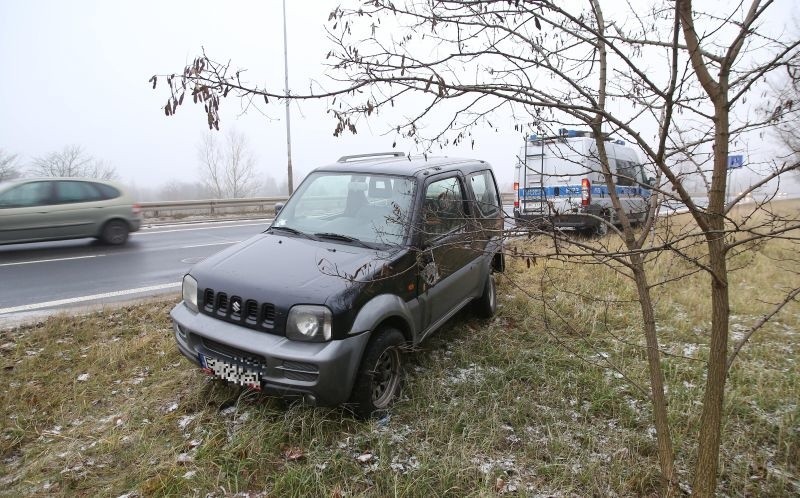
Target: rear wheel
{"x":380,"y":374}
{"x":486,"y":305}
{"x":115,"y":232}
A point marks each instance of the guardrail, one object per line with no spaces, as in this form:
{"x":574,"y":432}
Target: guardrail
{"x":260,"y":206}
{"x":211,"y":207}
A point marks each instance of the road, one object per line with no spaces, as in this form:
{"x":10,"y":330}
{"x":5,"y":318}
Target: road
{"x":38,"y":278}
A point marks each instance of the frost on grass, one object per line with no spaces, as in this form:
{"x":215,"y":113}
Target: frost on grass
{"x":472,"y":374}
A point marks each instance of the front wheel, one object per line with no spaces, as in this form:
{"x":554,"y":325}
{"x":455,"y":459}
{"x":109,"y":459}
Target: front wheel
{"x":115,"y":232}
{"x":380,"y":374}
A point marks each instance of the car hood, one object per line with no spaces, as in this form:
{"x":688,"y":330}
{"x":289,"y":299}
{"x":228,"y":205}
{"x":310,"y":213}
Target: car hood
{"x":286,"y":269}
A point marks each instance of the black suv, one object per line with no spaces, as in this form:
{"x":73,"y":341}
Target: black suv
{"x":369,"y":255}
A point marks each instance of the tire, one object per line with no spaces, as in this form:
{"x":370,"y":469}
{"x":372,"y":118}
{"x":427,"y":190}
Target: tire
{"x":486,"y":305}
{"x":380,"y":375}
{"x":115,"y":232}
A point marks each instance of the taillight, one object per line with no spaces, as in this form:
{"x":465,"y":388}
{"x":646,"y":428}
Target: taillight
{"x":586,"y":192}
{"x":516,"y":194}
{"x":136,"y":210}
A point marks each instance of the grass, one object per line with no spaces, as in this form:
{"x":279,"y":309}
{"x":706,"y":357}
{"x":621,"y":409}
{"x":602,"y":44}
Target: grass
{"x":542,"y":400}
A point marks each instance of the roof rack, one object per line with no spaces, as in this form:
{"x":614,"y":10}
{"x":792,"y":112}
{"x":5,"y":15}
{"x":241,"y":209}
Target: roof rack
{"x":359,"y":157}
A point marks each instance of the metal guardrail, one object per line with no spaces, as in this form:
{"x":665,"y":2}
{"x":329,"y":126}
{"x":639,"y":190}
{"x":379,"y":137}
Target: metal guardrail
{"x":220,"y":207}
{"x":211,"y":207}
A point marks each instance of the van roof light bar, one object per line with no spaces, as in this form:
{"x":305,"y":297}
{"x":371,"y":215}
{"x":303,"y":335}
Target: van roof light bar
{"x":361,"y":157}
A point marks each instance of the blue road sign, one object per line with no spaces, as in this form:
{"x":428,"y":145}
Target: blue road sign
{"x":735,"y":162}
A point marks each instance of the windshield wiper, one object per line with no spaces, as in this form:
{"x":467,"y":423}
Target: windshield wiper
{"x":344,"y":238}
{"x":292,"y":231}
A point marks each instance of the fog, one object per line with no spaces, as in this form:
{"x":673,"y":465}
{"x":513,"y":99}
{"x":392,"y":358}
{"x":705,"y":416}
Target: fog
{"x":76,"y":73}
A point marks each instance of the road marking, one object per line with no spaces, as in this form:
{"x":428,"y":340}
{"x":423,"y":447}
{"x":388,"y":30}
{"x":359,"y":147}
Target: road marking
{"x":81,"y":299}
{"x":211,"y":244}
{"x":52,"y":260}
{"x":149,"y":232}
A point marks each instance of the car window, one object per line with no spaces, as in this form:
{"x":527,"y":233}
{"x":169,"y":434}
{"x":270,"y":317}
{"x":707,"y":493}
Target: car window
{"x":106,"y":191}
{"x":26,"y":195}
{"x":485,"y":191}
{"x":73,"y":191}
{"x":371,"y":208}
{"x":628,"y":173}
{"x":443,"y":208}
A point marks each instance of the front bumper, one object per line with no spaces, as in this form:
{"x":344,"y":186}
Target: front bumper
{"x":323,"y":370}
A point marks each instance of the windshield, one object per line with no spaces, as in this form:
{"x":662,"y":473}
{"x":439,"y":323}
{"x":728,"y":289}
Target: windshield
{"x":368,"y":208}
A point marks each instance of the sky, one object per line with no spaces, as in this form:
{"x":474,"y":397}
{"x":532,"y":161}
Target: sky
{"x":76,"y":72}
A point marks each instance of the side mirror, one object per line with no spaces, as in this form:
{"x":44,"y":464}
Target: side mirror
{"x":278,"y":207}
{"x":651,"y":181}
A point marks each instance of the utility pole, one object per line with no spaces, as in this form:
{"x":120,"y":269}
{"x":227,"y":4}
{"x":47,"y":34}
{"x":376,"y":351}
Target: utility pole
{"x":286,"y":87}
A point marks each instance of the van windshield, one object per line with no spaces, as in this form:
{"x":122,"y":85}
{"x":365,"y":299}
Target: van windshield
{"x":365,"y":207}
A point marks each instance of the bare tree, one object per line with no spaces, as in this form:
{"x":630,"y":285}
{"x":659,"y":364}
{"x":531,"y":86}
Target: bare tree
{"x":211,"y":169}
{"x":785,"y":110}
{"x":72,"y":161}
{"x":9,"y":166}
{"x":228,"y":169}
{"x":547,"y":65}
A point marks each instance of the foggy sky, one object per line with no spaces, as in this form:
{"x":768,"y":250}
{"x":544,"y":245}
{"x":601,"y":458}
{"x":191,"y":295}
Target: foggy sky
{"x":76,"y":72}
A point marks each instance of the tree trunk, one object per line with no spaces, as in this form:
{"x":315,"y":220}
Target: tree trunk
{"x":666,"y":457}
{"x":705,"y":479}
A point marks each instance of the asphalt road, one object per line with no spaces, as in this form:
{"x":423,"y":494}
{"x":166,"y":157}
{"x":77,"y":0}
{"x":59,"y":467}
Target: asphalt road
{"x":38,"y":278}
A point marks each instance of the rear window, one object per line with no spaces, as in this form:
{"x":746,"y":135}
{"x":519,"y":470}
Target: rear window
{"x":107,"y":191}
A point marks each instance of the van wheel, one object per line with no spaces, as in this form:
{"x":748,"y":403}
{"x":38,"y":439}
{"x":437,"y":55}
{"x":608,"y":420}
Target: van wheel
{"x":380,"y":375}
{"x":486,"y":305}
{"x":115,"y":232}
{"x":601,"y":229}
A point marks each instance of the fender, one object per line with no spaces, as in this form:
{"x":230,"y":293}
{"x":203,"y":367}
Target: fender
{"x":383,"y":307}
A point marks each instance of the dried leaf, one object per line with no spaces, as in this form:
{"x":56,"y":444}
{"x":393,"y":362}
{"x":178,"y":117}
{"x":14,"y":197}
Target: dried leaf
{"x":293,"y":453}
{"x":153,"y":80}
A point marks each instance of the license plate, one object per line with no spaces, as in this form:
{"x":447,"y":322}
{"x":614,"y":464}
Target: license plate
{"x":533,"y":206}
{"x":230,"y":372}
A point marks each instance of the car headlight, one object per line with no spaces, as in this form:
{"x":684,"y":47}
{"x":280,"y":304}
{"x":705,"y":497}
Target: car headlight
{"x":190,"y":292}
{"x":309,"y":323}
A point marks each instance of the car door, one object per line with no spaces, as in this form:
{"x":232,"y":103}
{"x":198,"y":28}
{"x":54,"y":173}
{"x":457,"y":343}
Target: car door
{"x":78,"y":210}
{"x":24,"y":211}
{"x":445,"y":249}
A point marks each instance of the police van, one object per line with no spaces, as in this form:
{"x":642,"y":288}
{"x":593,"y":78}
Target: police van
{"x":559,"y":183}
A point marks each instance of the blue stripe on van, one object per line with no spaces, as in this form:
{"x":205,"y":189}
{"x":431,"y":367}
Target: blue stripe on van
{"x":575,"y":191}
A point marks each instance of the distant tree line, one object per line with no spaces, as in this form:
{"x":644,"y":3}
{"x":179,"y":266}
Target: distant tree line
{"x":70,"y":161}
{"x":226,"y":168}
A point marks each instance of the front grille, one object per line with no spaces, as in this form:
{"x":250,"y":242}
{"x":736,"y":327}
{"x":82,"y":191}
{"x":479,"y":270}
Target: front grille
{"x":224,"y":351}
{"x":239,"y":310}
{"x":268,"y":315}
{"x":222,"y":303}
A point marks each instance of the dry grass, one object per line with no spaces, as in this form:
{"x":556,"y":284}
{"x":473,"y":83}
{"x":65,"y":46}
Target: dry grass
{"x":542,"y":400}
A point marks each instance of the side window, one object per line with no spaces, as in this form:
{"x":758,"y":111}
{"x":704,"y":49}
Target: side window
{"x":443,"y":208}
{"x":485,"y":191}
{"x":72,"y":191}
{"x":627,"y":173}
{"x":26,"y":195}
{"x":106,"y":191}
